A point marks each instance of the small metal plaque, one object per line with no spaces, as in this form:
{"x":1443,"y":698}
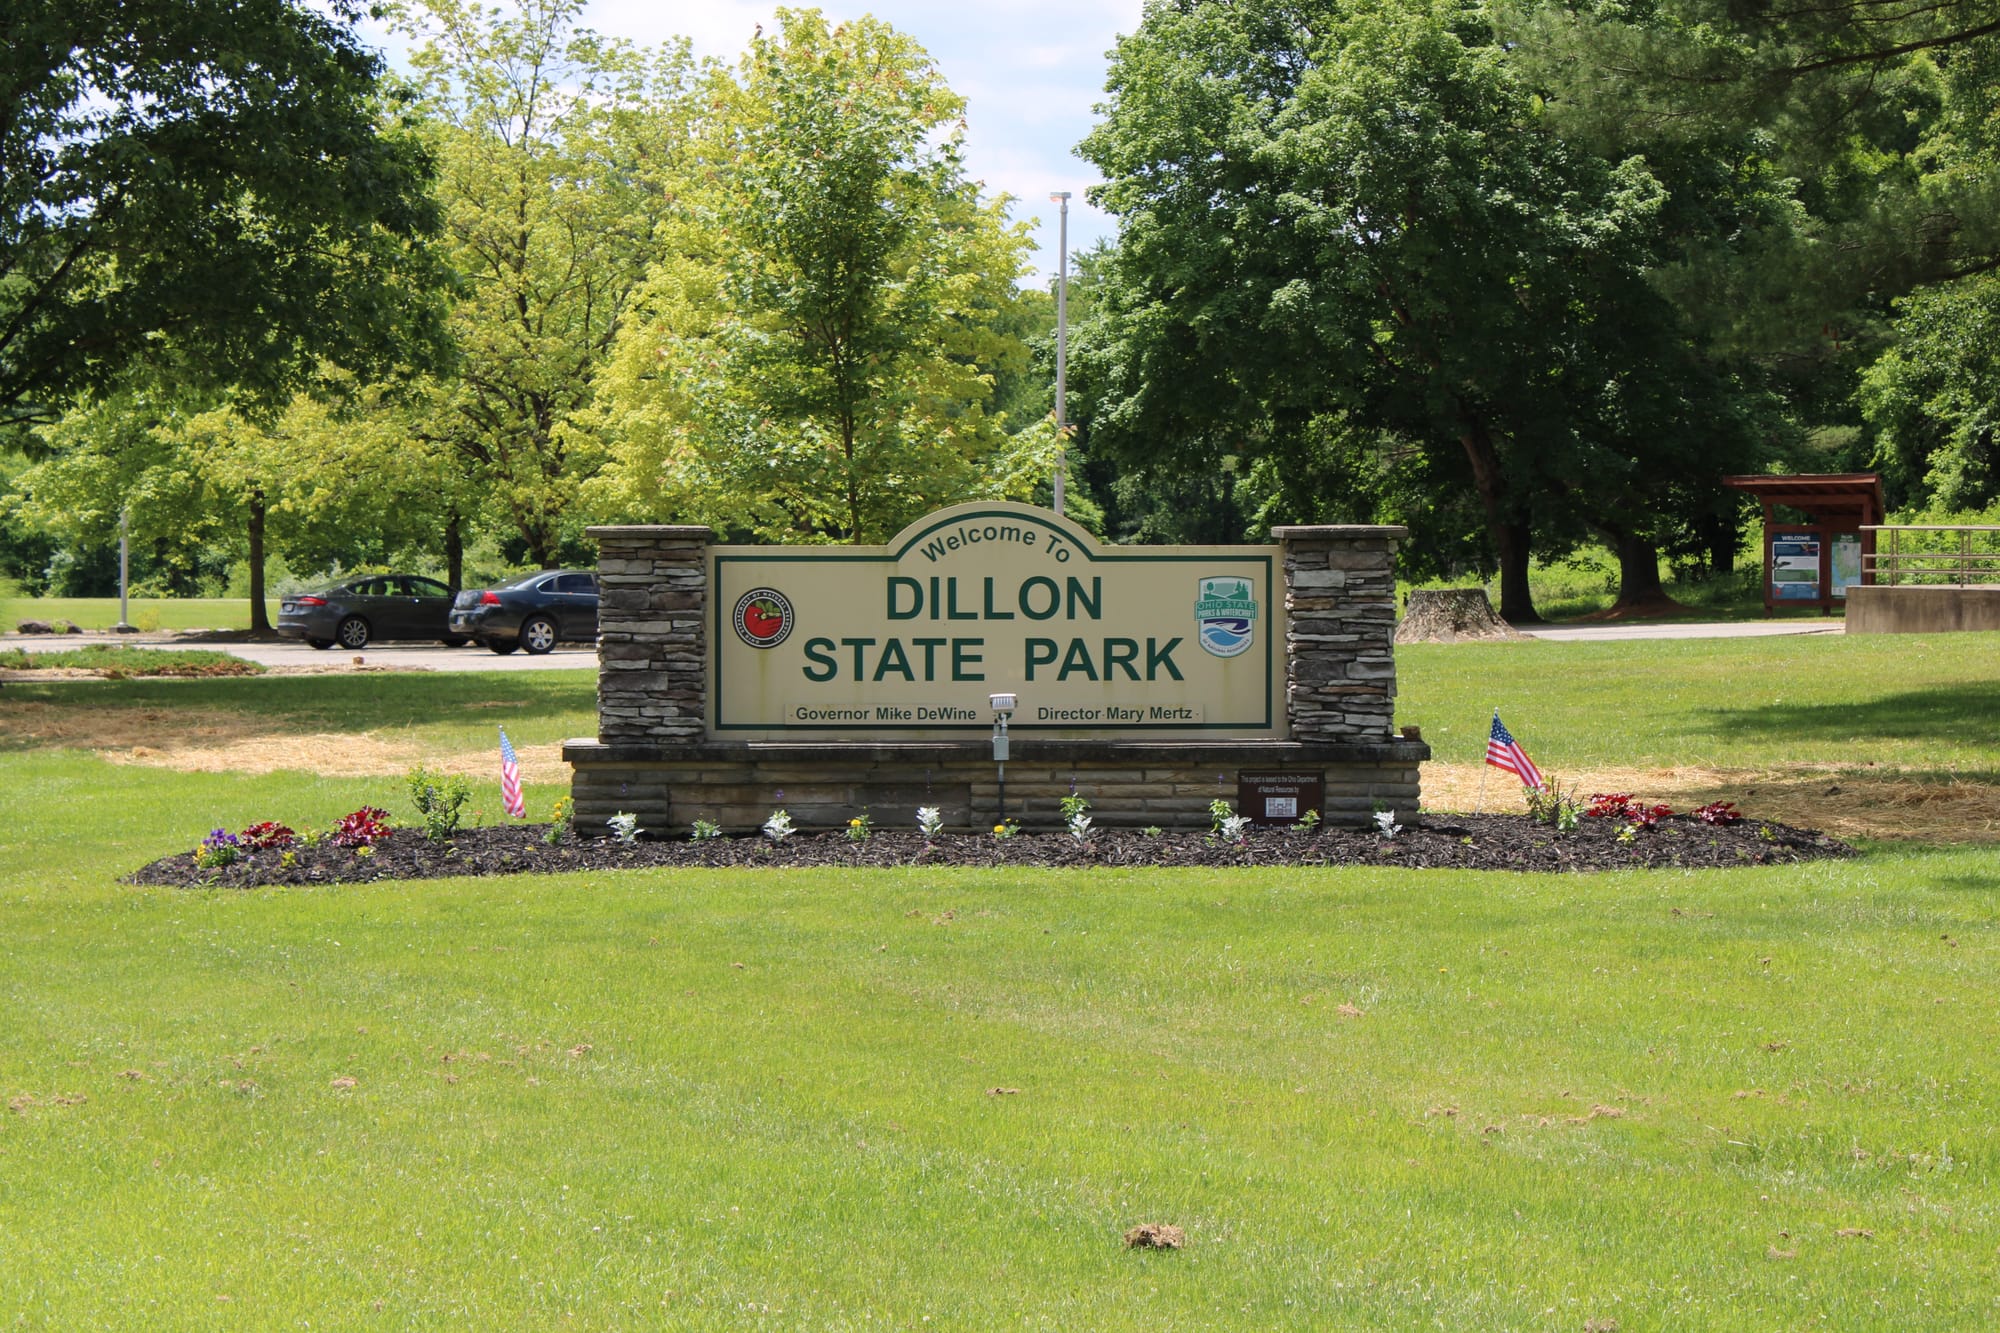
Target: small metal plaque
{"x":1278,"y":798}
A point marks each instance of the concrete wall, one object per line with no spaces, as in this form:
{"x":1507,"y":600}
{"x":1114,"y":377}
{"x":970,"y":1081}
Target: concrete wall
{"x":1901,"y":609}
{"x":652,"y":756}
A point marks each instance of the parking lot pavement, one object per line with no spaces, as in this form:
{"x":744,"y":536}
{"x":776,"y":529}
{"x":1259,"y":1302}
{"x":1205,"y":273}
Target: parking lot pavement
{"x":291,"y":653}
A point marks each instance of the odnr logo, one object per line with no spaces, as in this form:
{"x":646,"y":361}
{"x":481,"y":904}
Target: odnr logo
{"x":1225,"y":611}
{"x":763,"y":617}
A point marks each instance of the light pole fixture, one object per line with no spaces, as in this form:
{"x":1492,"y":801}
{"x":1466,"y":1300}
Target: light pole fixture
{"x":1003,"y":708}
{"x":1062,"y":343}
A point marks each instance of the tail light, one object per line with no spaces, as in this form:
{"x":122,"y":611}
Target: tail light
{"x":311,"y":601}
{"x":489,"y":598}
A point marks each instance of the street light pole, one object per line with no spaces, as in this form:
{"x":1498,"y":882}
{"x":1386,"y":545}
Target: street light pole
{"x":123,"y":626}
{"x":1062,"y":344}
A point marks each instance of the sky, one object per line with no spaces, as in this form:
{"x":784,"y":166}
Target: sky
{"x":1029,"y":70}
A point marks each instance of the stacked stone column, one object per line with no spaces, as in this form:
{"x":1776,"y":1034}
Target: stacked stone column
{"x":652,"y":634}
{"x":1340,"y":596}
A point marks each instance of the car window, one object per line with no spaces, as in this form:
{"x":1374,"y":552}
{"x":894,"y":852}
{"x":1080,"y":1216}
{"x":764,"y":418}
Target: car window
{"x":370,"y":588}
{"x":576,"y":583}
{"x":547,"y":585}
{"x":423,"y":587}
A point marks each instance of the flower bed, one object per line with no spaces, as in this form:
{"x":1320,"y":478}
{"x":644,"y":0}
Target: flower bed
{"x":1435,"y":841}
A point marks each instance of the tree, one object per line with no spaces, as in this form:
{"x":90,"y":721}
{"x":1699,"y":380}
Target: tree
{"x":320,"y":482}
{"x":209,"y":187}
{"x":557,"y":149}
{"x":819,"y":339}
{"x":1934,"y":399}
{"x":1338,"y":224}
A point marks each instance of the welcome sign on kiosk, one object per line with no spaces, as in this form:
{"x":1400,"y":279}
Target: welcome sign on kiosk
{"x":914,"y":636}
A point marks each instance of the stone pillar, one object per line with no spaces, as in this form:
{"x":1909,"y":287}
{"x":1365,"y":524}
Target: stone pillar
{"x":652,"y":632}
{"x":1340,"y":662}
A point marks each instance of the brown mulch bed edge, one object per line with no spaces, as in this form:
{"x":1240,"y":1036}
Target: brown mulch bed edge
{"x":1431,"y":842}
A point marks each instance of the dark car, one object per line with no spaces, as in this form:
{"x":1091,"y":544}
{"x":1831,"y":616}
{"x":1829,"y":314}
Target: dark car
{"x":535,"y":612}
{"x":370,"y":607}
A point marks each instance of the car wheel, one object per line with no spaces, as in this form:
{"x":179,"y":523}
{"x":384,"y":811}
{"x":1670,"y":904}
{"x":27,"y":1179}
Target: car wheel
{"x":455,"y":641}
{"x":352,"y":632}
{"x":538,"y":634}
{"x":321,"y":644}
{"x":502,"y":646}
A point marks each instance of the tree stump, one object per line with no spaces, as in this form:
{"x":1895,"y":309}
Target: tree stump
{"x":1451,"y":615}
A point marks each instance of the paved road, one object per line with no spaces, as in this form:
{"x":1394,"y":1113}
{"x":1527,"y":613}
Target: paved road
{"x":1684,"y":629}
{"x":570,"y":657}
{"x":290,"y":653}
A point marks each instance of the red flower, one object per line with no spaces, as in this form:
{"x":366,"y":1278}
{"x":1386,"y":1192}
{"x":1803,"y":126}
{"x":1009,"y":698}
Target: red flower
{"x":1603,"y":805}
{"x":268,"y":834}
{"x":1719,"y":812}
{"x":363,"y":828}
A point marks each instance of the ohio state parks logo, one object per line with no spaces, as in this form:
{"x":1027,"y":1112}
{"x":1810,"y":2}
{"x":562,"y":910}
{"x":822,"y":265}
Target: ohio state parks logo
{"x":763,"y":617}
{"x":1225,"y":610}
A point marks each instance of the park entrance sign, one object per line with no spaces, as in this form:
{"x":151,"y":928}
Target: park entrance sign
{"x":839,"y":681}
{"x":911,"y":638}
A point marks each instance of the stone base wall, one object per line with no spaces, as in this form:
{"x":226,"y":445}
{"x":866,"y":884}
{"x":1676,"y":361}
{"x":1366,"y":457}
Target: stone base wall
{"x":824,"y":785}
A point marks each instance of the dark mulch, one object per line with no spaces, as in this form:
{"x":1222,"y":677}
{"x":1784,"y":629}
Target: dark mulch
{"x":1433,"y":842}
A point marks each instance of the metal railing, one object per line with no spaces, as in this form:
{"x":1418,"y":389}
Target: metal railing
{"x":1960,"y":555}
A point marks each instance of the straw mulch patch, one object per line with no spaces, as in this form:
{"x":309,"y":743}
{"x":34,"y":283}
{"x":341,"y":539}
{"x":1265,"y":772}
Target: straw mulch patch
{"x":1843,"y":801}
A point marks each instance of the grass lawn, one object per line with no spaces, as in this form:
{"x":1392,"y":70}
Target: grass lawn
{"x":147,"y":613}
{"x":1928,"y":703}
{"x":1748,"y":1099}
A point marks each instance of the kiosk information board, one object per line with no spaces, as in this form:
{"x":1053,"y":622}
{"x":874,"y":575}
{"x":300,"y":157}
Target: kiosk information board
{"x":1795,"y":567}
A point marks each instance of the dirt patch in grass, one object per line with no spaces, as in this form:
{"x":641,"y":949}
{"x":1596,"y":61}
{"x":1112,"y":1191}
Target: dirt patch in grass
{"x":1842,"y":802}
{"x":1464,"y":842}
{"x":220,"y":741}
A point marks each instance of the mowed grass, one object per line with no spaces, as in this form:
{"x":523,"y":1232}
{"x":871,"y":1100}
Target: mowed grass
{"x":146,"y":613}
{"x":1756,"y":1099}
{"x":1927,"y":703}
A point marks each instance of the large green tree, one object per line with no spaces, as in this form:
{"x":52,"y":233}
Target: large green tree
{"x":1340,"y":222}
{"x":821,"y":334}
{"x":210,"y":187}
{"x":1934,"y":400}
{"x":558,"y":150}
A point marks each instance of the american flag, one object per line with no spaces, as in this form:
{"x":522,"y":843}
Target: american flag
{"x":510,"y":778}
{"x":1503,"y":751}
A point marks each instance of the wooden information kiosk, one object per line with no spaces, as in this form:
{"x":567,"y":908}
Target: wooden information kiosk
{"x":1815,"y":562}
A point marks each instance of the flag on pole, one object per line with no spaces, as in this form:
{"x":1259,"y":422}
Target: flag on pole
{"x":510,"y":778}
{"x":1503,"y":751}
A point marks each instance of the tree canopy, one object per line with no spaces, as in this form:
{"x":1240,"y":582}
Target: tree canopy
{"x":832,"y":300}
{"x":214,"y":188}
{"x":558,"y":153}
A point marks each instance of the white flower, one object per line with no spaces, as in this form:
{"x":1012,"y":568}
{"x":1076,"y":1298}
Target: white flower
{"x":778,"y":827}
{"x":931,"y":820}
{"x":1386,"y":825}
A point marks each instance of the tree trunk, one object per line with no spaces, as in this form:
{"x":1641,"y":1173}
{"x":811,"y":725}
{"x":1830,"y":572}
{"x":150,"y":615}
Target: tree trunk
{"x":1638,"y":573}
{"x":1517,"y":600}
{"x":1720,"y":532}
{"x":1509,"y":531}
{"x":454,"y":552}
{"x":260,"y":619}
